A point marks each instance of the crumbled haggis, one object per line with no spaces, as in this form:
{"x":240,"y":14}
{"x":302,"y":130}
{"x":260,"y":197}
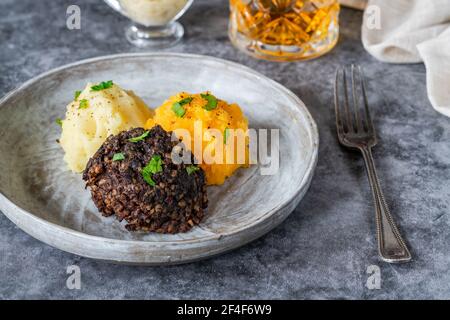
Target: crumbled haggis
{"x":174,"y":204}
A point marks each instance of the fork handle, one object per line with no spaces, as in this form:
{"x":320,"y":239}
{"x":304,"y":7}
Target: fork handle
{"x":391,"y":246}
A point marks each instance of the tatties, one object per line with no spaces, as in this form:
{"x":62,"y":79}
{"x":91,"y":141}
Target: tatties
{"x":96,"y":113}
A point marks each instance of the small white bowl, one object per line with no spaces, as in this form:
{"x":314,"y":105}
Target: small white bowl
{"x":154,"y":22}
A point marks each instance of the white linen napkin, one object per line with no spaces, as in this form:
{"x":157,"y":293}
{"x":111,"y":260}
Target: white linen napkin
{"x":412,"y":31}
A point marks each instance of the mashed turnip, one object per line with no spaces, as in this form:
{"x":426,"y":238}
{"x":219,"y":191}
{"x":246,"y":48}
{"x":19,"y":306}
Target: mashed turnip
{"x":212,"y":123}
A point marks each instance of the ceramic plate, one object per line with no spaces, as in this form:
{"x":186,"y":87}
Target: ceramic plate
{"x":41,"y":196}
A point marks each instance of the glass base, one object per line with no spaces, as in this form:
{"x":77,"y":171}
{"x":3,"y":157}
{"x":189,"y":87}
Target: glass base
{"x":158,"y":37}
{"x":310,"y":50}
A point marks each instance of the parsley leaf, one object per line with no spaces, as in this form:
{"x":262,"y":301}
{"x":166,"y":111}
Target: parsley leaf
{"x":226,"y":133}
{"x":102,"y":85}
{"x":178,"y":109}
{"x":77,"y":94}
{"x":59,"y":122}
{"x":211,"y":101}
{"x":153,"y":166}
{"x":140,"y":138}
{"x":83,"y":104}
{"x":148,"y":178}
{"x":185,"y":101}
{"x":191,"y":169}
{"x":118,"y":157}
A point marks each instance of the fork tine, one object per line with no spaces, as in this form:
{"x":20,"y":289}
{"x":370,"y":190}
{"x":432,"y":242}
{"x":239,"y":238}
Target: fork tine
{"x":358,"y":123}
{"x":368,"y":118}
{"x":339,"y":122}
{"x":346,"y":107}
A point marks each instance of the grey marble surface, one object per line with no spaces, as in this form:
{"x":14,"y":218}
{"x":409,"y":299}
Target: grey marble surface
{"x":324,"y":248}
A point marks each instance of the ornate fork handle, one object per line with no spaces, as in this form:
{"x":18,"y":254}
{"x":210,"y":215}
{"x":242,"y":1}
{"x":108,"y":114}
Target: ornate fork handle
{"x":391,"y":246}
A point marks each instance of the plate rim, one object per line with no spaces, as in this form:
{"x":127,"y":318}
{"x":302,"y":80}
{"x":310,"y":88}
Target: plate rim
{"x":305,"y":182}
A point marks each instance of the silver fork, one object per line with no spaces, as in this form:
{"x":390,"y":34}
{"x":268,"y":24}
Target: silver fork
{"x":355,"y":130}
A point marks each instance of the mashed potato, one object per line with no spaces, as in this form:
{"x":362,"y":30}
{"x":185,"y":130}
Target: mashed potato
{"x":93,"y":116}
{"x":183,"y":110}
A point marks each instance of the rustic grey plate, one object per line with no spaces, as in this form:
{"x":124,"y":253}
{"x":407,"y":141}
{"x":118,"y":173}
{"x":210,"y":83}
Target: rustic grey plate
{"x":41,"y":196}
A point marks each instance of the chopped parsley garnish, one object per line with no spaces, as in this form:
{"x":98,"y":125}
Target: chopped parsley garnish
{"x":77,"y":94}
{"x":211,"y":101}
{"x":102,"y":85}
{"x":154,"y":166}
{"x":148,"y":178}
{"x":140,"y":138}
{"x":83,"y":104}
{"x":59,"y":122}
{"x":191,"y":169}
{"x":226,"y":133}
{"x":178,"y":108}
{"x":118,"y":157}
{"x":185,"y":101}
